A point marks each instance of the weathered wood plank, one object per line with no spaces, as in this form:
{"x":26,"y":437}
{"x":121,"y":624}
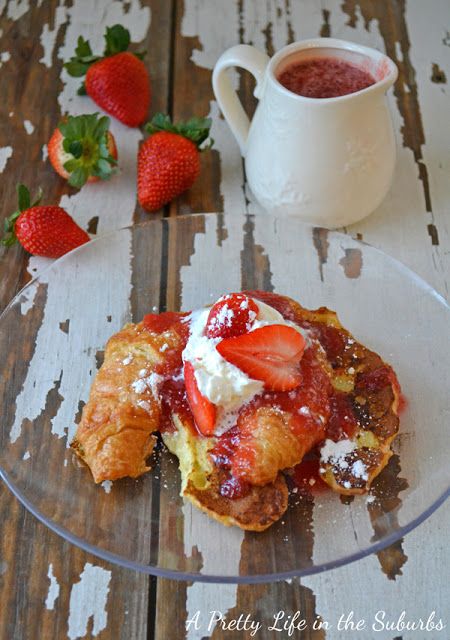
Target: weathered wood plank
{"x":48,"y":585}
{"x":269,"y":26}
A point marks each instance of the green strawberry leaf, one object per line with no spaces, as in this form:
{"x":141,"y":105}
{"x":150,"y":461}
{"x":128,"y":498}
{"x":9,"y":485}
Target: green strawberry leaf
{"x":104,"y":166}
{"x":23,"y":196}
{"x":76,"y":148}
{"x":101,"y":126}
{"x":117,"y":39}
{"x":140,"y":55}
{"x":9,"y":239}
{"x":71,"y":165}
{"x":82,"y":60}
{"x":85,"y":139}
{"x":195,"y":129}
{"x":82,"y":90}
{"x":83,"y":48}
{"x":78,"y":177}
{"x":25,"y":203}
{"x":76,"y":69}
{"x":37,"y":198}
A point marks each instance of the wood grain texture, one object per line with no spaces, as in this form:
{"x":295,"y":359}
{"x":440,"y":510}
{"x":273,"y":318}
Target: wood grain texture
{"x":183,"y":41}
{"x":29,"y":90}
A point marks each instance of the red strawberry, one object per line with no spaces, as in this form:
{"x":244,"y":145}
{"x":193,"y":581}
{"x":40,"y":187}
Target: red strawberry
{"x":46,"y":231}
{"x":203,"y":410}
{"x":270,"y":354}
{"x":169,"y":160}
{"x":118,"y":82}
{"x":82,"y":149}
{"x":231,"y":315}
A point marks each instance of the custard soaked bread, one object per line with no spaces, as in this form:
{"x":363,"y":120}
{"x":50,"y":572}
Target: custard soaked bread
{"x":240,"y":393}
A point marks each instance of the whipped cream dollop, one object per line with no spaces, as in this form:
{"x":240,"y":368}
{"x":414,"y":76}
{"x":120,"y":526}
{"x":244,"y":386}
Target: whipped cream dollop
{"x":224,"y":384}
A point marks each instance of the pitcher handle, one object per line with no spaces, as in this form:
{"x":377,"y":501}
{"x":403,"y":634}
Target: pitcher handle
{"x":249,"y":58}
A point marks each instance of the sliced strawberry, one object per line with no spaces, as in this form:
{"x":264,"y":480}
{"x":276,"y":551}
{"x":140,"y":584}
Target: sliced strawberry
{"x":270,"y":354}
{"x":203,"y":410}
{"x":232,"y":315}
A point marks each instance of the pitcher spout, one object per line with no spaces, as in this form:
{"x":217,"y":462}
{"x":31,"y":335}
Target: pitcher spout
{"x":385,"y":72}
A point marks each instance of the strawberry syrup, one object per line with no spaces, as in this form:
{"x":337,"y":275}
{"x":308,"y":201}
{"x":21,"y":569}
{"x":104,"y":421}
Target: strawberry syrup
{"x":317,"y":410}
{"x":324,"y":78}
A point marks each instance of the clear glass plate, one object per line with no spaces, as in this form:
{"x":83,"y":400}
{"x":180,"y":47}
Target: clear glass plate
{"x":51,"y":340}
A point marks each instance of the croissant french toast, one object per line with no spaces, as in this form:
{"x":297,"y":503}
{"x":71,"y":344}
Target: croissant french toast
{"x":116,"y":432}
{"x":241,"y":393}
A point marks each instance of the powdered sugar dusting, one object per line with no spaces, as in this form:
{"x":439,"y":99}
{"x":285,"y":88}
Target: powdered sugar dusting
{"x":359,"y":470}
{"x":146,"y":382}
{"x":336,"y":452}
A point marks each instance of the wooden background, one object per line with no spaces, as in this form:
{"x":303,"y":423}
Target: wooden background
{"x":50,"y":589}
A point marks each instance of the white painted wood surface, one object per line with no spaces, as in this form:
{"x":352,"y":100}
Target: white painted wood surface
{"x":399,"y":227}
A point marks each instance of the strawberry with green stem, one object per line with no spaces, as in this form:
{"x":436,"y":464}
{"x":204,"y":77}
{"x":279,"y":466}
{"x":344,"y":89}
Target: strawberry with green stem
{"x":117,"y":81}
{"x":82,"y":149}
{"x":43,"y":230}
{"x":169,"y":159}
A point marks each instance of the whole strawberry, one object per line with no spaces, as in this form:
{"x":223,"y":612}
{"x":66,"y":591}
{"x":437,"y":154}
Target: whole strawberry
{"x":46,"y":231}
{"x":117,"y":81}
{"x":82,"y":149}
{"x":169,"y":160}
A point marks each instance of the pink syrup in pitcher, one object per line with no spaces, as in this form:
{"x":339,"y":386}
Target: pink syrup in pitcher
{"x":325,"y":77}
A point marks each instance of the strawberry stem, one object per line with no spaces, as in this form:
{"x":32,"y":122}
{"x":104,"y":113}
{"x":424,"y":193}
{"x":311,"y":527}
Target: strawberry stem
{"x":24,"y":202}
{"x":85,"y":138}
{"x":195,"y":129}
{"x":117,"y":40}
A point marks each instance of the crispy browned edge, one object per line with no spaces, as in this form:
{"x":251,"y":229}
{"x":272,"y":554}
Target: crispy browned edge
{"x":256,"y":511}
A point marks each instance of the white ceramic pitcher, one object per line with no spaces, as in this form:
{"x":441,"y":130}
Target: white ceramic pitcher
{"x":329,"y":161}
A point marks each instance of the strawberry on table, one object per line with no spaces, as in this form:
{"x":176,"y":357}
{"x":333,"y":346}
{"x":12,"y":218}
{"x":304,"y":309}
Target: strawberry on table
{"x":82,"y":149}
{"x":117,"y":81}
{"x":203,"y":410}
{"x":271,"y":354}
{"x":169,"y":160}
{"x":232,"y":315}
{"x":43,"y":230}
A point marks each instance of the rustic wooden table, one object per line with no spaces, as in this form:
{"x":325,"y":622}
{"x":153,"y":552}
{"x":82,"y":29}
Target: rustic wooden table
{"x":50,"y":589}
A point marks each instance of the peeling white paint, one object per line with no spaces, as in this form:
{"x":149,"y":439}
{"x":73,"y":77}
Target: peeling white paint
{"x":88,"y":599}
{"x":107,"y":486}
{"x":49,"y":35}
{"x":5,"y":154}
{"x":68,"y":297}
{"x":198,"y":528}
{"x":4,"y":57}
{"x":215,"y":24}
{"x":3,"y":567}
{"x":26,"y":455}
{"x":29,"y":126}
{"x":53,"y":589}
{"x":17,"y":9}
{"x":113,"y":202}
{"x":44,"y":152}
